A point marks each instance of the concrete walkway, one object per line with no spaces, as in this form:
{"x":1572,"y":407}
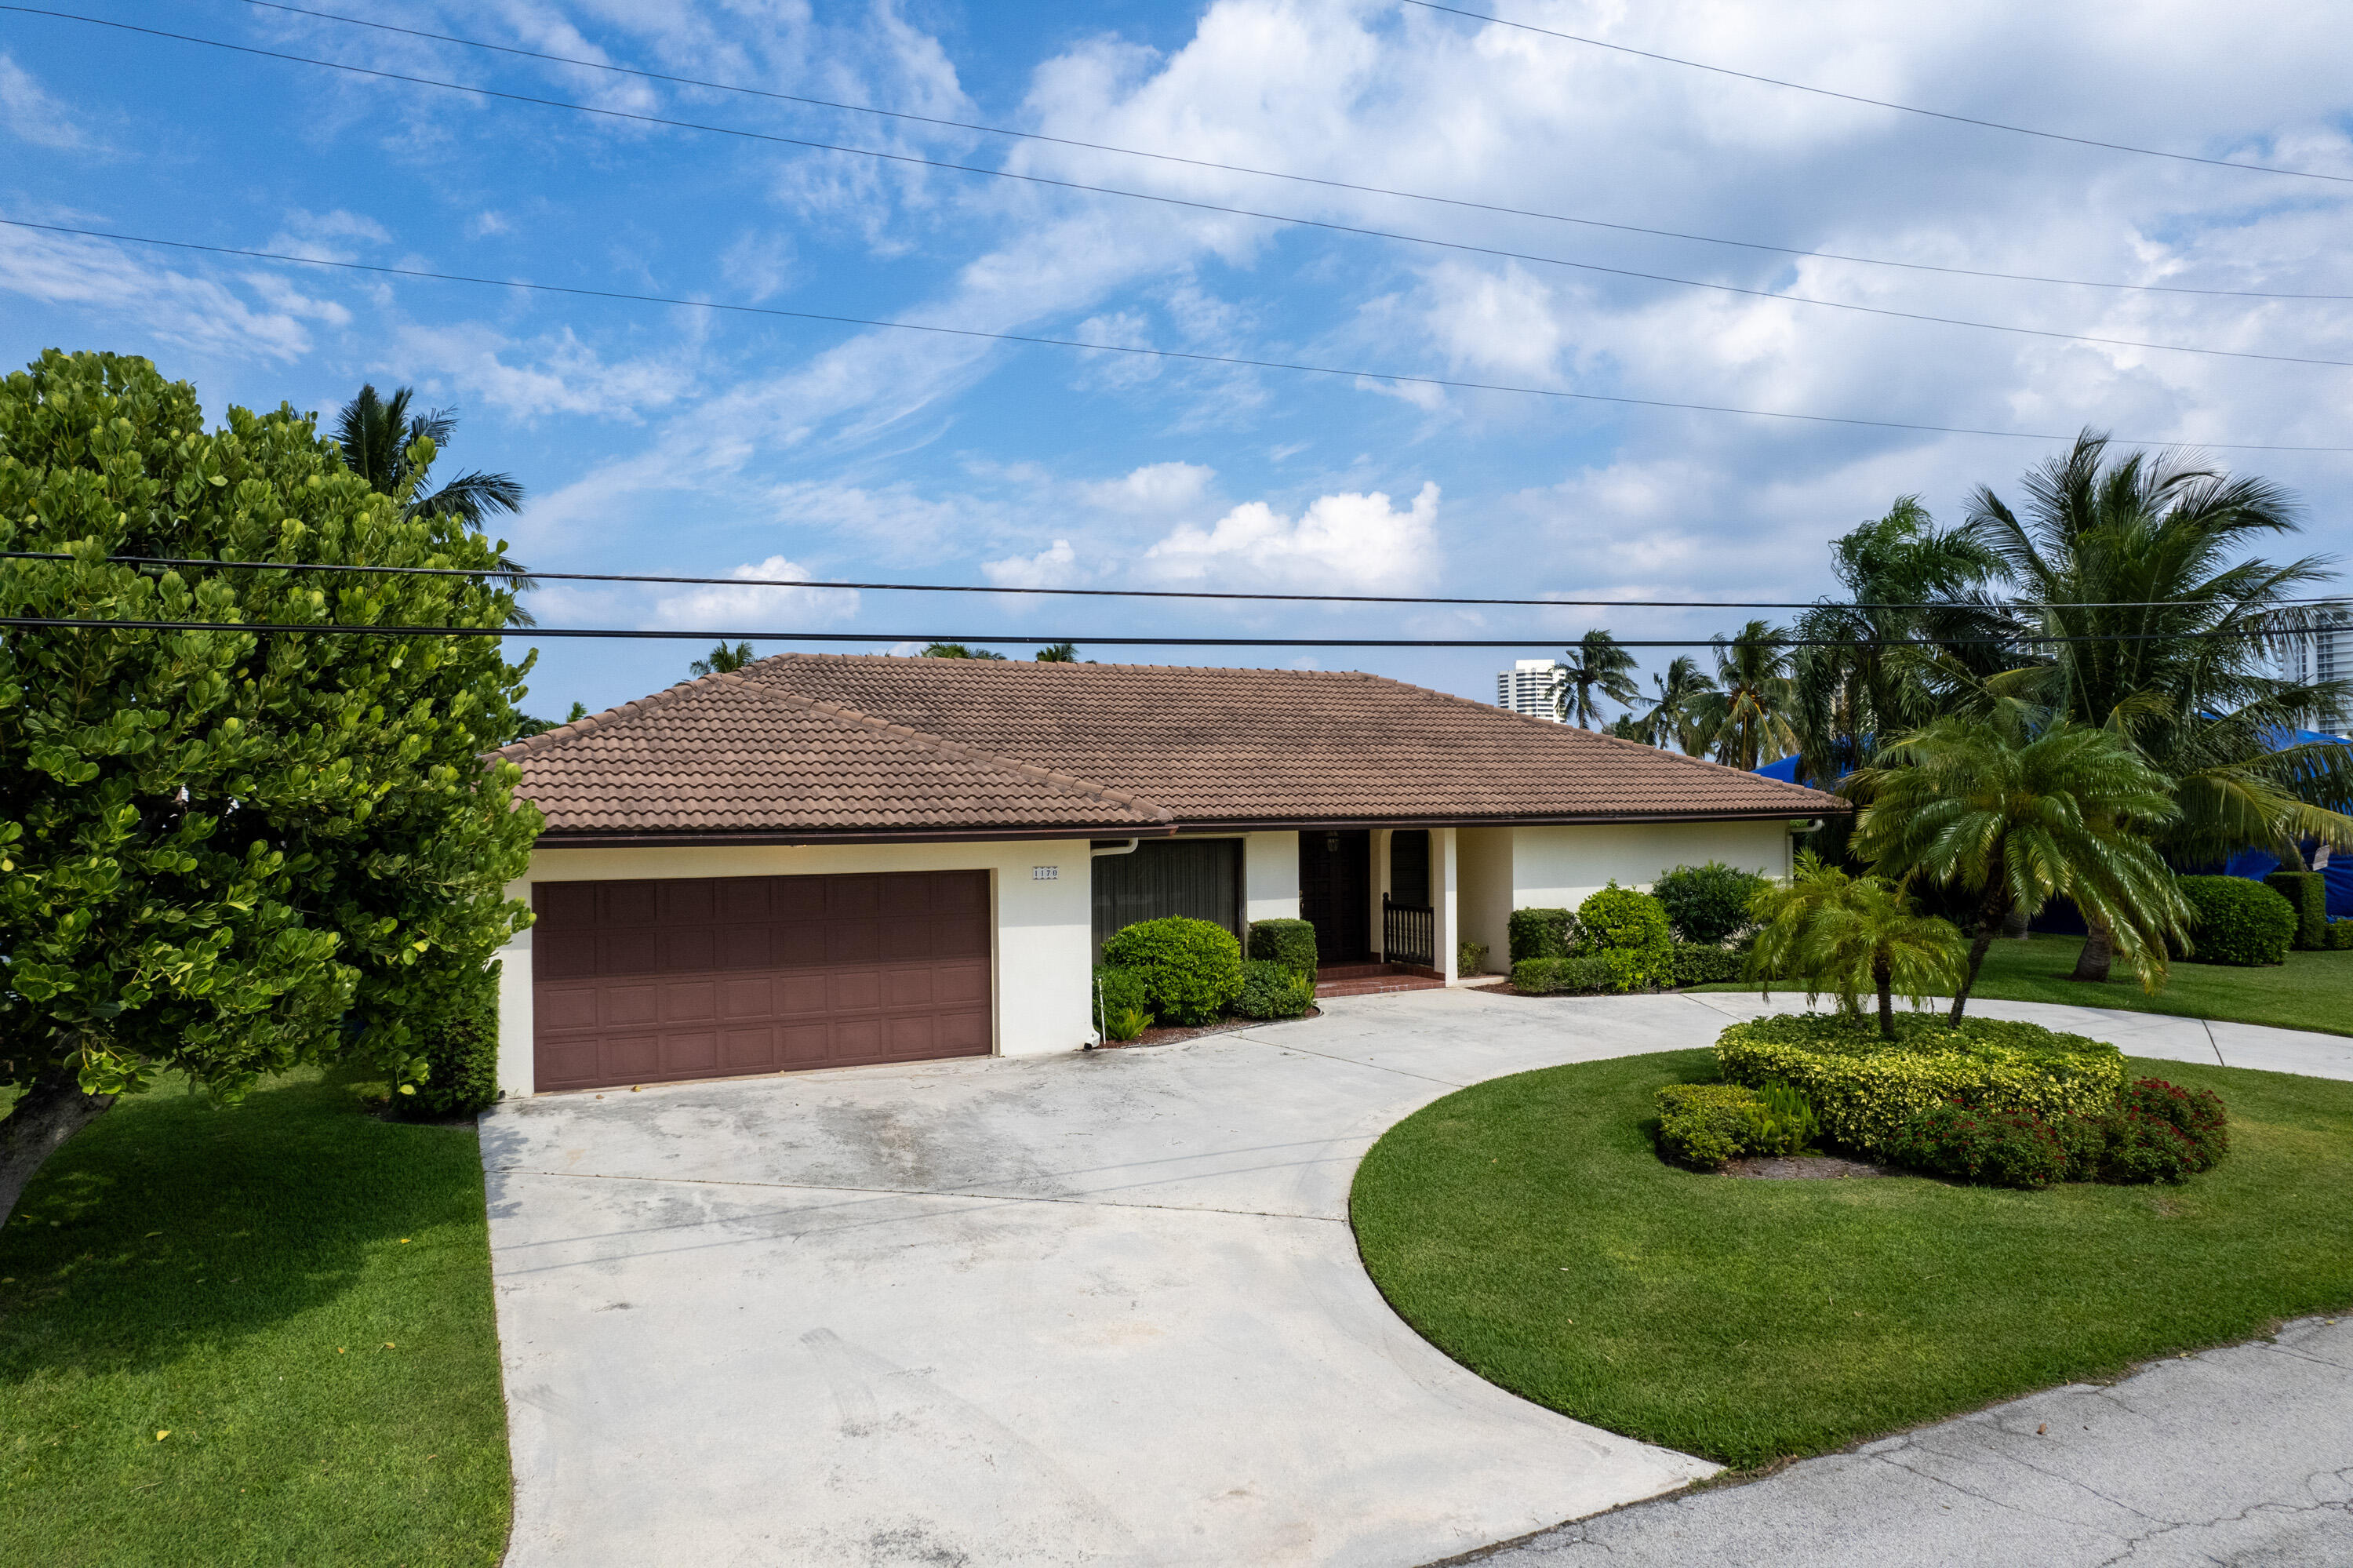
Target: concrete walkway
{"x":1099,"y":1308}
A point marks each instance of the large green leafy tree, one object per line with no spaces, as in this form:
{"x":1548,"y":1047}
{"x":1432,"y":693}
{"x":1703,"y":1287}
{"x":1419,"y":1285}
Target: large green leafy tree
{"x":2012,"y":817}
{"x":1596,"y":667}
{"x":2140,"y":562}
{"x":230,"y":853}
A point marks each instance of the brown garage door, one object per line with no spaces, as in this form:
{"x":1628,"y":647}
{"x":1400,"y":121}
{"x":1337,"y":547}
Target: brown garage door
{"x":639,"y":983}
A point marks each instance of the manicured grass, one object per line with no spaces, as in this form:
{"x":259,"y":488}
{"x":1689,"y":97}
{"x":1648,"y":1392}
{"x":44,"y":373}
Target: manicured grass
{"x":299,"y":1295}
{"x":1526,"y":1226}
{"x":2311,"y":991}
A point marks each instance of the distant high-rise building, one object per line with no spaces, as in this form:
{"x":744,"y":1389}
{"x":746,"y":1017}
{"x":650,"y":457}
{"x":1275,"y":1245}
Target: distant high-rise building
{"x":2326,"y":655}
{"x":1532,"y":687}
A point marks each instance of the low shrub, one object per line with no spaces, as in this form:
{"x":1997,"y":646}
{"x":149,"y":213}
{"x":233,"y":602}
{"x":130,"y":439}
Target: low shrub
{"x":1274,"y":990}
{"x":1865,"y":1088}
{"x":1291,"y":943}
{"x":1706,"y":904}
{"x":1627,"y":930}
{"x":2235,"y":921}
{"x":1702,"y":964}
{"x":1191,"y":970}
{"x":1116,"y":992}
{"x":1704,"y":1125}
{"x":1542,"y":934}
{"x":2307,"y":893}
{"x":1995,"y":1148}
{"x":460,"y":1050}
{"x":1542,"y":977}
{"x":1126,"y":1023}
{"x":2340,"y":936}
{"x":1470,"y":958}
{"x":2197,"y":1121}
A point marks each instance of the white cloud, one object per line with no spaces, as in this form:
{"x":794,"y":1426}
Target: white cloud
{"x":486,"y":223}
{"x":556,"y":374}
{"x":1156,"y":488}
{"x":326,"y":236}
{"x":1354,"y":542}
{"x":34,"y":115}
{"x":756,"y":609}
{"x":126,"y":289}
{"x":1056,"y":566}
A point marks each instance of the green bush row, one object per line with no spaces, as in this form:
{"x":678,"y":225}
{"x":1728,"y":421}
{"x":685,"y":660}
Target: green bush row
{"x":1548,"y":977}
{"x":2307,"y":893}
{"x":1865,"y":1088}
{"x":2235,"y":921}
{"x":2151,"y":1131}
{"x":1704,"y":1125}
{"x":2340,"y":936}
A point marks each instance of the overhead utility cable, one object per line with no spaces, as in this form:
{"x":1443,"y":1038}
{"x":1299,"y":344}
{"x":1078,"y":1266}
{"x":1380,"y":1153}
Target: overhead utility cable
{"x":1880,"y":102}
{"x":1175,"y":353}
{"x":1330,"y":227}
{"x":530,"y":574}
{"x":969,"y":638}
{"x":1278,"y":174}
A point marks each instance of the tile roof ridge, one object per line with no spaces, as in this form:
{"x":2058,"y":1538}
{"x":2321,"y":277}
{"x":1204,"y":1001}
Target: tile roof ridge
{"x":771,"y":691}
{"x":524,"y":746}
{"x":1702,"y":763}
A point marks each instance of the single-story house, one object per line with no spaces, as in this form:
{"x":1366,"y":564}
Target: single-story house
{"x":821,"y":860}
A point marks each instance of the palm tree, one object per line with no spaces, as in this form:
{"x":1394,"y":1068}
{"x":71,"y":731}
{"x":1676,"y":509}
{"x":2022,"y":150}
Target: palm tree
{"x":2140,"y":559}
{"x":380,"y":440}
{"x":1746,"y":719}
{"x":1908,"y":582}
{"x":1058,"y":653}
{"x":958,"y":651}
{"x":1846,"y":934}
{"x":1675,"y":716}
{"x":2014,"y":817}
{"x":1595,"y":664}
{"x":723,"y":660}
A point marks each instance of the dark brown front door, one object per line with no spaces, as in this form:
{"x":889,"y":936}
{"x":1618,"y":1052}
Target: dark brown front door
{"x":1335,"y":891}
{"x":649,"y":982}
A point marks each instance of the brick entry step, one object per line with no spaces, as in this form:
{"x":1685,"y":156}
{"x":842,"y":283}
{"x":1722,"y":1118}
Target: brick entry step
{"x":1369,"y":979}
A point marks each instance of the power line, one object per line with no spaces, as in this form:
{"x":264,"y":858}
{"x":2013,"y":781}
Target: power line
{"x":1280,"y":174}
{"x":1879,"y":103}
{"x":1175,"y":353}
{"x":659,"y":579}
{"x":1026,"y":639}
{"x":1351,"y":229}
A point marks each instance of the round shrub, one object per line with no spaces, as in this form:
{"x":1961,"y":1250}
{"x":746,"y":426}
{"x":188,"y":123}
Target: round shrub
{"x":2235,"y":921}
{"x":1627,"y":930}
{"x":1291,"y":943}
{"x":1274,"y":990}
{"x":1706,"y":904}
{"x":1191,"y":970}
{"x":1702,"y":964}
{"x":1864,"y":1088}
{"x":1116,"y":993}
{"x":2164,"y":1128}
{"x":1704,"y":1125}
{"x":1542,"y":934}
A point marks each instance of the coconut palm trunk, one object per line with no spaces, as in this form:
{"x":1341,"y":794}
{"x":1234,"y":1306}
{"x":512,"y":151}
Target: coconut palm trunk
{"x":2099,"y":954}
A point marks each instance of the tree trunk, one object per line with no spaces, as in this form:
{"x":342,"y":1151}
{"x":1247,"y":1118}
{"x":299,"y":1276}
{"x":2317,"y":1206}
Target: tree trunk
{"x":51,"y":1111}
{"x":1989,"y":917}
{"x":2014,"y":924}
{"x":2099,"y":954}
{"x":1885,"y":979}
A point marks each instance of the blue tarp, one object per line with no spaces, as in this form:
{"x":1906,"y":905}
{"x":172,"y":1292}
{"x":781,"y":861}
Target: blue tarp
{"x":2253,"y":863}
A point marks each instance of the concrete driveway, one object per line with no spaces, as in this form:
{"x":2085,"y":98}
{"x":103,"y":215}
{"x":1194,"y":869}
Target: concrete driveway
{"x":1100,"y":1309}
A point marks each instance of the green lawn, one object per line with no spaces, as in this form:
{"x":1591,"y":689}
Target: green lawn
{"x":2311,"y":991}
{"x":1527,"y":1228}
{"x":299,"y":1295}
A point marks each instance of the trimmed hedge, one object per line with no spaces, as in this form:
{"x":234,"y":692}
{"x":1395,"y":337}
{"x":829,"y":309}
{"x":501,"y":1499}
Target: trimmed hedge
{"x":1270,"y":989}
{"x":2151,"y":1131}
{"x":1706,"y":904}
{"x":1191,"y":970}
{"x":2307,"y":893}
{"x":460,"y":1051}
{"x":2340,"y":936}
{"x":2236,"y":921}
{"x":1865,"y":1088}
{"x":1291,"y":943}
{"x":1115,"y":993}
{"x":1542,"y":934}
{"x":1627,"y":930}
{"x":1703,"y":964}
{"x":1704,"y":1125}
{"x":1544,"y":977}
{"x":1990,"y":1147}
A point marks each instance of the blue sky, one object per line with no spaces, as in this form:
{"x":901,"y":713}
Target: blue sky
{"x":670,"y":440}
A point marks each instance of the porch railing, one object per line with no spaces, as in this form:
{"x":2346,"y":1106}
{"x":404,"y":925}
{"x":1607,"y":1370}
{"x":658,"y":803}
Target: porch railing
{"x":1408,"y":933}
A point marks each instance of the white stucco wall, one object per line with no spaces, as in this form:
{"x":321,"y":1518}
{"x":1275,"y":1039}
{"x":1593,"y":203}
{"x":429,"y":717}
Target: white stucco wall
{"x":1270,"y":876}
{"x":1560,"y":867}
{"x":1484,"y":902}
{"x":1043,"y":936}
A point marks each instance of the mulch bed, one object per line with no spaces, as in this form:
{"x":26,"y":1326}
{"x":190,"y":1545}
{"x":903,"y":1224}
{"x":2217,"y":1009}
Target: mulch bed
{"x":1170,"y":1034}
{"x":1805,"y":1168}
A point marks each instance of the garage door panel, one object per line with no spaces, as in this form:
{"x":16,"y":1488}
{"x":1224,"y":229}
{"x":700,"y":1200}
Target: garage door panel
{"x":689,"y":978}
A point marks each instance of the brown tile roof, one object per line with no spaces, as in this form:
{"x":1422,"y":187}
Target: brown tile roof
{"x":727,"y":755}
{"x":859,"y":744}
